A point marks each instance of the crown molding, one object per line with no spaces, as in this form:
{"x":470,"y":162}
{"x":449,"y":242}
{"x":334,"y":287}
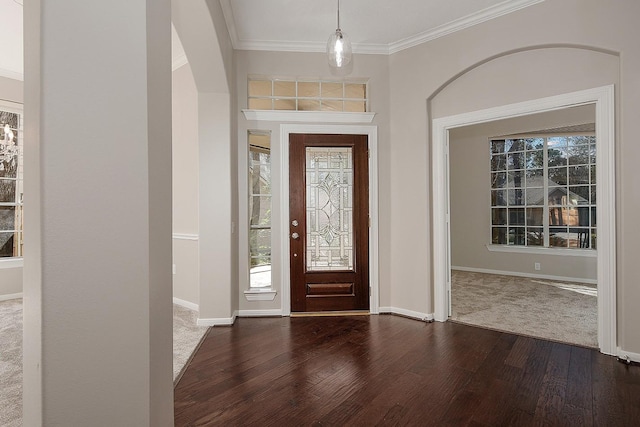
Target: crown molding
{"x":496,"y":11}
{"x":462,"y":23}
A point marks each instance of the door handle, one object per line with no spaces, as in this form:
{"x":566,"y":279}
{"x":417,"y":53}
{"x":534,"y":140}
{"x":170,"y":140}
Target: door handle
{"x":294,"y":222}
{"x":295,"y":236}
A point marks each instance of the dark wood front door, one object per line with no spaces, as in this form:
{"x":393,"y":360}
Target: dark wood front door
{"x":329,"y":222}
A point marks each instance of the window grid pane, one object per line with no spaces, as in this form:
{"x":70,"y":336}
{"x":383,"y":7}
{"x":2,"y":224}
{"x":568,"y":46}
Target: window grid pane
{"x":540,"y":181}
{"x":307,"y":95}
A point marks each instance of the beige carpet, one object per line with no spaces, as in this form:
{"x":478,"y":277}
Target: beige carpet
{"x":186,"y":338}
{"x":558,"y":311}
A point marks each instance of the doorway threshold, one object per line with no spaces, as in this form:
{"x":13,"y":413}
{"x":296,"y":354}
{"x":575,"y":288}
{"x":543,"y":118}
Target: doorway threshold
{"x":331,"y":313}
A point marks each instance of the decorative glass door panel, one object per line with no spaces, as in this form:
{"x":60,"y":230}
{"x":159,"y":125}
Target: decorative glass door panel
{"x":329,"y":213}
{"x":329,"y":216}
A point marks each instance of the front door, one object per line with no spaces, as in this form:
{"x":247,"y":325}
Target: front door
{"x":329,"y":222}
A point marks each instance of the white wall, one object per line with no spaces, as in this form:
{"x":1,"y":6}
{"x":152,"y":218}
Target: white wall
{"x":470,"y":205}
{"x":308,"y":65}
{"x":10,"y":274}
{"x":186,"y":285}
{"x":420,"y":73}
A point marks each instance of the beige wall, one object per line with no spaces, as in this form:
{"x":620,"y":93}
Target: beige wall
{"x":470,"y":205}
{"x":185,"y":185}
{"x":10,"y":277}
{"x":418,"y":74}
{"x":309,"y":65}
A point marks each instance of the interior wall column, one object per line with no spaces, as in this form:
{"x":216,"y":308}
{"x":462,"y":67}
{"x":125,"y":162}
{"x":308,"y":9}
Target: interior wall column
{"x":216,"y":226}
{"x":97,"y":265}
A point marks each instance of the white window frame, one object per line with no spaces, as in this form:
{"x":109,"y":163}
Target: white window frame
{"x":545,"y":248}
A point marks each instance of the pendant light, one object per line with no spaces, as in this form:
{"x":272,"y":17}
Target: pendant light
{"x":339,"y":47}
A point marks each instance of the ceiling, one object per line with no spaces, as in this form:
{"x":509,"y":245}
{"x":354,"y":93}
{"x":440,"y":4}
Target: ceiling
{"x":374,"y":26}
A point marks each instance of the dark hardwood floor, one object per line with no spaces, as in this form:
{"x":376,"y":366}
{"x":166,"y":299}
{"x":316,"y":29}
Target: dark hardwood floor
{"x":388,"y":370}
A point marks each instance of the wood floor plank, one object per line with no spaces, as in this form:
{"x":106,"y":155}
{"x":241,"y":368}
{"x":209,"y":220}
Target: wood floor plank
{"x":388,"y":370}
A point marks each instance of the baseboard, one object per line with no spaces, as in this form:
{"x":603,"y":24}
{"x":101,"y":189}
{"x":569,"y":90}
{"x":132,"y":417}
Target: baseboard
{"x":407,"y":313}
{"x":627,"y":355}
{"x":260,"y":313}
{"x":186,"y":304}
{"x":527,"y":275}
{"x":218,"y":321}
{"x":10,"y":296}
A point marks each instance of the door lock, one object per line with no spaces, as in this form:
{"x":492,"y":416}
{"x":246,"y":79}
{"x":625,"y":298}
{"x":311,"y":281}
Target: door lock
{"x":295,"y":236}
{"x":294,"y":222}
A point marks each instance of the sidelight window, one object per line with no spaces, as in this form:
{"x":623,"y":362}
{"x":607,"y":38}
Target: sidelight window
{"x":11,"y":183}
{"x":543,"y":191}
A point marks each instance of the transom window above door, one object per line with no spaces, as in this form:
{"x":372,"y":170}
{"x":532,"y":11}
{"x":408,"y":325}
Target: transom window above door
{"x":543,"y":191}
{"x":266,"y":93}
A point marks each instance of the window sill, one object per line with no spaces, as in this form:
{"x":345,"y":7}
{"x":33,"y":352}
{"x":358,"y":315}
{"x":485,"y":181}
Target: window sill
{"x":11,"y":262}
{"x":308,"y":116}
{"x":258,"y":294}
{"x":587,"y":253}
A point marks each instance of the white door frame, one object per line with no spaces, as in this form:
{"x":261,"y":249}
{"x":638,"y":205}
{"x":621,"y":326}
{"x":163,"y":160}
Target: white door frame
{"x":603,"y":98}
{"x":372,"y":133}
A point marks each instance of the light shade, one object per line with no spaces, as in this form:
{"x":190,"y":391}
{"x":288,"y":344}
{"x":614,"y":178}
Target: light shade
{"x":339,"y":49}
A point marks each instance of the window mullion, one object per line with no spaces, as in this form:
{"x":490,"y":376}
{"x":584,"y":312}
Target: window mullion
{"x":545,"y":192}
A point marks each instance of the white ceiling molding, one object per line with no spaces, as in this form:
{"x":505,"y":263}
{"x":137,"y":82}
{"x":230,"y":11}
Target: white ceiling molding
{"x":462,"y":23}
{"x":467,"y":21}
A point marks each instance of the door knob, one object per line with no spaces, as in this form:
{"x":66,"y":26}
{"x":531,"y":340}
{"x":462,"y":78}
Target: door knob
{"x":295,"y":236}
{"x":294,"y":222}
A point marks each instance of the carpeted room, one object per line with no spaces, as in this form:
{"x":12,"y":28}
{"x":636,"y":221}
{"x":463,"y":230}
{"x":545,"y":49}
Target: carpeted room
{"x":510,"y":277}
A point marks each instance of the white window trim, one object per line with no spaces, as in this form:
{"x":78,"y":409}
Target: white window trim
{"x":308,"y":116}
{"x":11,"y":262}
{"x":536,"y":250}
{"x":603,"y":98}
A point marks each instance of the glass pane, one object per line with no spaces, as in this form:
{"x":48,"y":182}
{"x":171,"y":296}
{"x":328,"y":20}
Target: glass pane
{"x":557,"y":141}
{"x":332,"y":106}
{"x":535,"y":177}
{"x":557,"y":176}
{"x":557,"y":196}
{"x":593,"y":217}
{"x":259,"y":104}
{"x":535,"y":236}
{"x":579,"y":155}
{"x":558,"y":237}
{"x":7,"y":218}
{"x":579,"y":195}
{"x":284,"y":104}
{"x":499,"y":198}
{"x":579,"y":237}
{"x":516,"y":236}
{"x":593,"y":239}
{"x":497,"y":146}
{"x":592,"y":154}
{"x":498,"y":180}
{"x":308,"y":105}
{"x":583,"y":217}
{"x":511,"y":145}
{"x":578,"y":175}
{"x":7,"y":244}
{"x":516,"y":216}
{"x":515,"y":160}
{"x":573,"y":141}
{"x":287,"y":89}
{"x":534,"y":159}
{"x":535,"y":196}
{"x":498,"y":162}
{"x":355,"y":90}
{"x":534,"y":143}
{"x":499,"y":216}
{"x":355,"y":106}
{"x":331,"y":90}
{"x":563,"y":216}
{"x":515,"y":179}
{"x":329,"y":189}
{"x":260,"y":211}
{"x":535,"y":216}
{"x":499,"y":235}
{"x":308,"y":89}
{"x":259,"y":88}
{"x":593,"y":195}
{"x":516,"y":197}
{"x":8,"y":190}
{"x":557,"y":156}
